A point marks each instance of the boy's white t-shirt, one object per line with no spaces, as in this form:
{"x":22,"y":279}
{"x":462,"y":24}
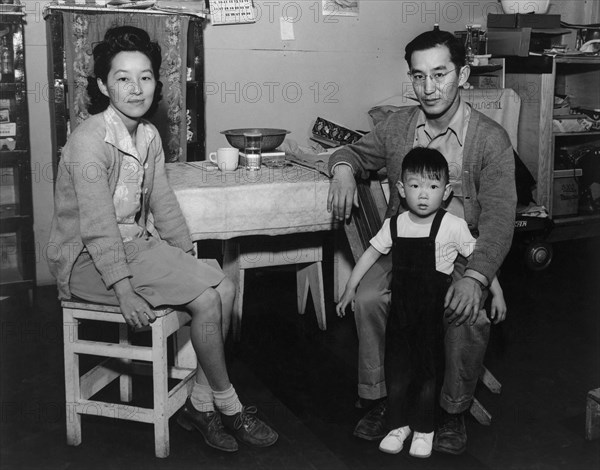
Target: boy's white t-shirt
{"x":453,"y":237}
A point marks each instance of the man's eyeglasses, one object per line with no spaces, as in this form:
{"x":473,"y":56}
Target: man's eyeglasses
{"x":419,"y":78}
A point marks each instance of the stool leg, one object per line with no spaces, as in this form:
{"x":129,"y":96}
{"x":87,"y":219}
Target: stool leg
{"x":315,"y":278}
{"x":342,"y":264}
{"x":480,"y":413}
{"x":161,"y":389}
{"x":72,"y":386}
{"x":125,"y":387}
{"x":302,"y":287}
{"x":238,"y":306}
{"x":232,"y":267}
{"x":490,"y":381}
{"x":311,"y":277}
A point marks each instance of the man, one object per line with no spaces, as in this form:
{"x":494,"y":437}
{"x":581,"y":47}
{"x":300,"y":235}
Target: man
{"x":481,"y":162}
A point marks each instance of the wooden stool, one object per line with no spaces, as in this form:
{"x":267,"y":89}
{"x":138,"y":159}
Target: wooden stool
{"x":261,"y":251}
{"x":120,"y":360}
{"x":592,"y":415}
{"x":482,"y":415}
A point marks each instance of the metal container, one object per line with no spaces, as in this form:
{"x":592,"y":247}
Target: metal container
{"x":272,"y":138}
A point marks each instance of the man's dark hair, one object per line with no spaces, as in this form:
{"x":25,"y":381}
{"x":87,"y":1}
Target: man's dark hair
{"x":427,"y":162}
{"x":431,"y":39}
{"x":116,"y":40}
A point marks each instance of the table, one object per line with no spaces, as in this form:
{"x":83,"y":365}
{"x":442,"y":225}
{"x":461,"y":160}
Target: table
{"x":273,"y":201}
{"x":265,"y":218}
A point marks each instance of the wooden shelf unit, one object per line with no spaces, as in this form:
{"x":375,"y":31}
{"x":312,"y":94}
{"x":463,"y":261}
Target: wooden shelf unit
{"x":17,"y":246}
{"x":537,"y":80}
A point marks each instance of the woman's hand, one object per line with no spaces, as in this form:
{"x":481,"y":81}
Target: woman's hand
{"x":136,"y":311}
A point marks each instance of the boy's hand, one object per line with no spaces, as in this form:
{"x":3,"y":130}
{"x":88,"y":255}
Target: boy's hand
{"x":347,"y":298}
{"x":498,"y":310}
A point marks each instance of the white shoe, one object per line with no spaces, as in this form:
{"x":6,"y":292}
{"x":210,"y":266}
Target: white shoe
{"x":421,"y":445}
{"x":394,"y":441}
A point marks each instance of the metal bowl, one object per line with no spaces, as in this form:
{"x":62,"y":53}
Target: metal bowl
{"x":272,"y":138}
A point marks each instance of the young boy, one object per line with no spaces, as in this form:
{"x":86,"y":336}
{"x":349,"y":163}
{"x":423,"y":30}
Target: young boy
{"x":425,"y":241}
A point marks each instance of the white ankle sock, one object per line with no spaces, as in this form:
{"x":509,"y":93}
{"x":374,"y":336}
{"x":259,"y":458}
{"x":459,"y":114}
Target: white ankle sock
{"x":202,"y":397}
{"x":227,"y":401}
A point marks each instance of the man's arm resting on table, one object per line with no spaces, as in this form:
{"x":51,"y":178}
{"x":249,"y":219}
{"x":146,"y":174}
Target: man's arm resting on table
{"x":336,"y":165}
{"x":342,"y":191}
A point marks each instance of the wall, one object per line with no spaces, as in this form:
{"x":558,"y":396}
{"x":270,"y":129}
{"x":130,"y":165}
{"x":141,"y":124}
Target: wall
{"x":336,"y":68}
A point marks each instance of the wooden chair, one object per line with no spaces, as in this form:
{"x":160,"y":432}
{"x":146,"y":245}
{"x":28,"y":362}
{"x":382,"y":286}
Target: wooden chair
{"x":364,"y":224}
{"x":120,"y":360}
{"x":262,"y":251}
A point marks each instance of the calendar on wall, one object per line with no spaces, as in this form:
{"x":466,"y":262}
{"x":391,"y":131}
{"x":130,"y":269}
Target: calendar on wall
{"x":232,"y":11}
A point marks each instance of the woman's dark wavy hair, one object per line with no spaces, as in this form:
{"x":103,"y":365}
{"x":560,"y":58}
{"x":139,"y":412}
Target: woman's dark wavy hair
{"x":121,"y":39}
{"x":431,"y":39}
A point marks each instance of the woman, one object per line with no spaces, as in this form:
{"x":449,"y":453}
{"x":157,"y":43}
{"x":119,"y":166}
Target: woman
{"x":111,"y":175}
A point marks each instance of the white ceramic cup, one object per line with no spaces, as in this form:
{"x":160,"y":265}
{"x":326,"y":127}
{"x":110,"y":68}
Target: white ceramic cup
{"x":226,"y":158}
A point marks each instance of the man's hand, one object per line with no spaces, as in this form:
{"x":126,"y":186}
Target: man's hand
{"x":342,"y":193}
{"x":463,"y":301}
{"x":136,"y":311}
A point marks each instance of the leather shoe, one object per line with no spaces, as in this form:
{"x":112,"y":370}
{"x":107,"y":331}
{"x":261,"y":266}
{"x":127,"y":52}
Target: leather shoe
{"x":247,"y":428}
{"x":451,"y":436}
{"x":210,"y":426}
{"x":373,"y":426}
{"x":365,"y":403}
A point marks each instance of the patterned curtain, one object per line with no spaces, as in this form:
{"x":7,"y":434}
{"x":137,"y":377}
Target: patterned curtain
{"x":83,"y":30}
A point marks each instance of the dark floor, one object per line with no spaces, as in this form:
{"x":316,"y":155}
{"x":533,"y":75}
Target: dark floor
{"x":546,"y":354}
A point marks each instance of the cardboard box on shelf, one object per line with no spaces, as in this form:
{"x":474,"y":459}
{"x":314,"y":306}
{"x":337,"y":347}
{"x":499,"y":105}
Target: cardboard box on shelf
{"x":538,"y":21}
{"x":495,"y":20}
{"x":486,"y":81}
{"x":523,"y":21}
{"x":521,"y":41}
{"x":8,"y":129}
{"x":509,"y":42}
{"x":565,"y":194}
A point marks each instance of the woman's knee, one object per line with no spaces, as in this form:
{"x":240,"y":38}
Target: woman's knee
{"x":227,"y":290}
{"x":207,"y":304}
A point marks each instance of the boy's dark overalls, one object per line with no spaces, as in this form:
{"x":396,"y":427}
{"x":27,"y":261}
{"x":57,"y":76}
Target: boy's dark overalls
{"x":414,"y":335}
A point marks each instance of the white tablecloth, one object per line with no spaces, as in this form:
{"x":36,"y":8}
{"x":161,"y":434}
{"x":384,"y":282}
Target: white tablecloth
{"x":272,"y":201}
